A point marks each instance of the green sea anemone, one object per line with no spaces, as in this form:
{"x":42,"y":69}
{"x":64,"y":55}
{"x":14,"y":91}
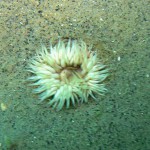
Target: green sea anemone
{"x":66,"y":74}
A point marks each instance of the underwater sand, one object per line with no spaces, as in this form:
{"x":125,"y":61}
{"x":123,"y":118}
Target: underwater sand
{"x":118,"y":30}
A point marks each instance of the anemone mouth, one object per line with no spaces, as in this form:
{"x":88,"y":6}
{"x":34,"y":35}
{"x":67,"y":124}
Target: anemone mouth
{"x":66,"y":74}
{"x":70,"y":73}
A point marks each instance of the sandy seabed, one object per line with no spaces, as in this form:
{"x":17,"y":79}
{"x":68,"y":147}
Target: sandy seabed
{"x":118,"y":30}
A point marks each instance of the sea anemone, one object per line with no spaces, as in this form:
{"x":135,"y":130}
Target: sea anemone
{"x":68,"y":73}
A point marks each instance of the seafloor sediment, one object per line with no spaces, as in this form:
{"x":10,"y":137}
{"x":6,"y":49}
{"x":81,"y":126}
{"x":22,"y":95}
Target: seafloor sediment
{"x":118,"y":30}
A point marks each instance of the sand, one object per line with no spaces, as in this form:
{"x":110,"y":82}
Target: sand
{"x":118,"y":30}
